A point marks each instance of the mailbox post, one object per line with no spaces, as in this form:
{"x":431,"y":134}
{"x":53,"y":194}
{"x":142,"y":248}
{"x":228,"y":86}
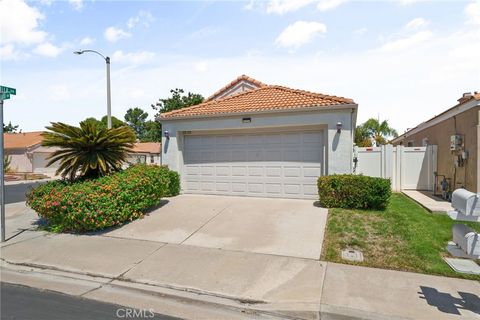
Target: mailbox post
{"x":466,"y":242}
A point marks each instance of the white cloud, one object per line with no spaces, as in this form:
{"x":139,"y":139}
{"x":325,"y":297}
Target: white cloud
{"x":472,"y":10}
{"x":76,"y":4}
{"x":201,"y":66}
{"x":48,"y":50}
{"x":132,"y":58}
{"x":407,"y":42}
{"x":47,"y":3}
{"x":20,"y":23}
{"x":300,"y":33}
{"x":417,"y":23}
{"x":144,"y":18}
{"x":250,"y":5}
{"x":114,"y":34}
{"x":86,"y":41}
{"x":284,"y":6}
{"x":8,"y":52}
{"x":360,"y":31}
{"x":325,"y":5}
{"x":59,"y":92}
{"x":409,"y":2}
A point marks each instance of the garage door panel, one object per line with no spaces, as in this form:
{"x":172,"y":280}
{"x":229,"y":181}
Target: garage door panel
{"x":311,"y":172}
{"x":255,"y":188}
{"x":239,"y":187}
{"x":295,"y":172}
{"x":207,"y":170}
{"x":273,"y":171}
{"x":239,"y":155}
{"x":292,"y":155}
{"x":268,"y":164}
{"x":223,"y":170}
{"x":239,"y":171}
{"x":255,"y":171}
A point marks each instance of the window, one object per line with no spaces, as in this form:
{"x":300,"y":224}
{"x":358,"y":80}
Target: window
{"x":152,"y":159}
{"x":410,"y":144}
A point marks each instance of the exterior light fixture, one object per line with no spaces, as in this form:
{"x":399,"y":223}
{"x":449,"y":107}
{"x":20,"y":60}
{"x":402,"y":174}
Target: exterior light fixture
{"x":166,"y":134}
{"x":339,"y":127}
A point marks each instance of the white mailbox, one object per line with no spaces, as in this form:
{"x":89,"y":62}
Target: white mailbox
{"x":466,"y":205}
{"x":466,"y":202}
{"x":467,"y":239}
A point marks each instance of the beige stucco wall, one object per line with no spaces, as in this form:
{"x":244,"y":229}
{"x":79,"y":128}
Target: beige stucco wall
{"x":466,"y":124}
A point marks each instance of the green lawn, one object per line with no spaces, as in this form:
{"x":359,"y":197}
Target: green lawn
{"x":403,"y":237}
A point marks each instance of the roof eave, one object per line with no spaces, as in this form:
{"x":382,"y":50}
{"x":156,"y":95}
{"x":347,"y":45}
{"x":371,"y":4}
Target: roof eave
{"x":345,"y":106}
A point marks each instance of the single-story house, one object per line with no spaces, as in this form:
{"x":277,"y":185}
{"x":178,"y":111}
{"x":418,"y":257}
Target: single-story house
{"x":254,"y":139}
{"x":456,"y":132}
{"x":145,"y":152}
{"x":27,"y":155}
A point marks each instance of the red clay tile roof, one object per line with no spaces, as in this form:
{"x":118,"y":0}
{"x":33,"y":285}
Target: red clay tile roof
{"x":234,"y":83}
{"x":264,"y":98}
{"x":147,"y":147}
{"x":22,"y":140}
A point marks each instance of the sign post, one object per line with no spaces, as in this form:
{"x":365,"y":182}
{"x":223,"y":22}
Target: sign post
{"x":5,"y":93}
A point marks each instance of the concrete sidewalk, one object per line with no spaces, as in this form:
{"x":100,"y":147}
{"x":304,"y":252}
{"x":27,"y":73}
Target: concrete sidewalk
{"x":145,"y":273}
{"x":427,"y":200}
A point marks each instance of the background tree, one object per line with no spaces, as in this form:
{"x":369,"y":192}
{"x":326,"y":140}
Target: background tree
{"x":178,"y":100}
{"x":9,"y":128}
{"x":89,"y":150}
{"x":145,"y":130}
{"x":153,"y":132}
{"x":136,"y":118}
{"x":116,"y":123}
{"x":362,"y":137}
{"x":373,"y":130}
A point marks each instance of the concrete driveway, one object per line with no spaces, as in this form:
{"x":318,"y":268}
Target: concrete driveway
{"x":283,"y":227}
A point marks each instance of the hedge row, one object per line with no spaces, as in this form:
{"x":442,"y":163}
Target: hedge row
{"x":104,"y":202}
{"x":354,"y":191}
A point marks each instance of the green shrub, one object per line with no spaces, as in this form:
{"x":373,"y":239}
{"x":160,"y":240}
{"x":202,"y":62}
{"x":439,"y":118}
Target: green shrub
{"x":95,"y":204}
{"x":174,"y":185}
{"x":354,"y":191}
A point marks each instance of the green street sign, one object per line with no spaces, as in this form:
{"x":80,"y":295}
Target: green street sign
{"x":8,"y":90}
{"x":4,"y":96}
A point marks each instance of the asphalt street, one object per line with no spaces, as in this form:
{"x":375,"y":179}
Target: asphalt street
{"x":16,"y":192}
{"x":20,"y":302}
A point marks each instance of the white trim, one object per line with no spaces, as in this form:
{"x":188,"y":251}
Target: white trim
{"x":244,"y":113}
{"x":436,"y":120}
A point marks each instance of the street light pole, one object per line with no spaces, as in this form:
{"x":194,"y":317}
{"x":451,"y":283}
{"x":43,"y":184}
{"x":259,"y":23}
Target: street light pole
{"x":109,"y":99}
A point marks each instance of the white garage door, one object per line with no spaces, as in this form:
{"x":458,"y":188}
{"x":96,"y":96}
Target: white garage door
{"x":283,"y":164}
{"x":40,"y":164}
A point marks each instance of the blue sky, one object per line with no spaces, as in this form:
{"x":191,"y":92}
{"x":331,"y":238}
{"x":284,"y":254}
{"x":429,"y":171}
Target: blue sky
{"x":401,"y":60}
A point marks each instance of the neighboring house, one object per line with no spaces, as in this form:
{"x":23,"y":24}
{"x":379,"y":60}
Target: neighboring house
{"x":254,"y":139}
{"x":456,"y":132}
{"x":29,"y":156}
{"x":145,"y":152}
{"x":26,"y":153}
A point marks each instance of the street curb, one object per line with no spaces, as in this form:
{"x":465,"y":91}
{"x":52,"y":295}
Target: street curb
{"x":169,"y":301}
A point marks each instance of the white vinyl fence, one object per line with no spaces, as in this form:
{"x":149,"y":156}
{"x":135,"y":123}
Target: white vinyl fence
{"x":407,"y":167}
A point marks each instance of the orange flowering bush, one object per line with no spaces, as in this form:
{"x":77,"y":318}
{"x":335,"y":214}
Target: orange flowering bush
{"x":95,"y":204}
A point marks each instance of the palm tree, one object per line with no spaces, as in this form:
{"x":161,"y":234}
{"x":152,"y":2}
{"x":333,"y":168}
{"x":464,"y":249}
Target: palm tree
{"x":374,"y":131}
{"x":88,"y":150}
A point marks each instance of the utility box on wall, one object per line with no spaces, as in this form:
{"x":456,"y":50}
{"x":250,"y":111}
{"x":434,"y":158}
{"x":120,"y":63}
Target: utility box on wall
{"x":455,"y":142}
